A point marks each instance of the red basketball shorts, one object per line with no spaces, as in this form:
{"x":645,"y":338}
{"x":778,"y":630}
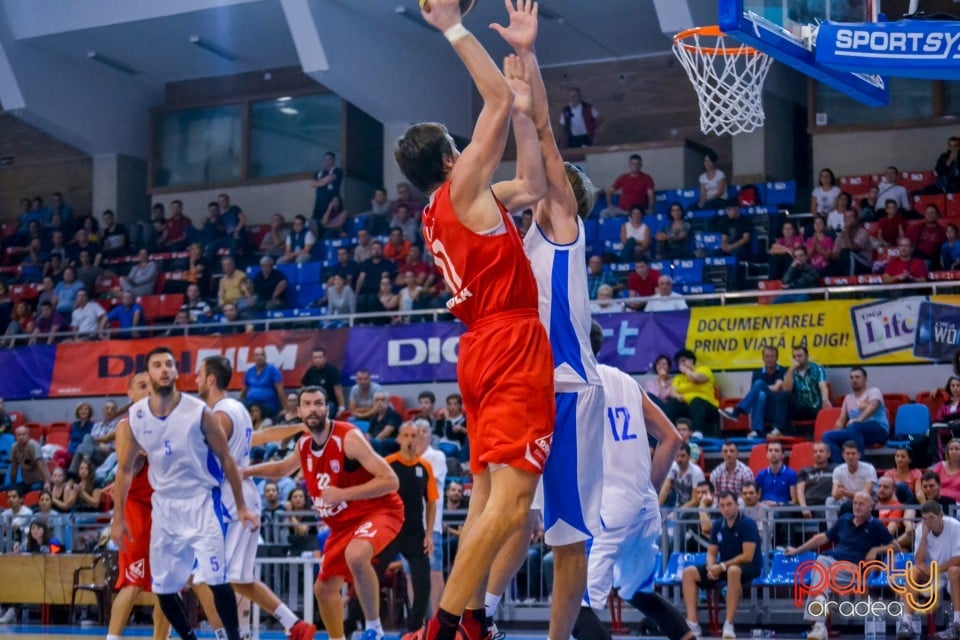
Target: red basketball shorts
{"x":378,"y":528}
{"x":505,"y":371}
{"x":134,"y":558}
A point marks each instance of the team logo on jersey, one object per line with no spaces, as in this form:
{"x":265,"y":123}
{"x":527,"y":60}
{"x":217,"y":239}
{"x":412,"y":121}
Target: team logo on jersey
{"x":335,"y":466}
{"x":139,"y":414}
{"x":135,"y":570}
{"x":544,"y":444}
{"x":365,"y":530}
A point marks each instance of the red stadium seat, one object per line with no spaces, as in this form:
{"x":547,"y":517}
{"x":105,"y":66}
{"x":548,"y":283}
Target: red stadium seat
{"x":952,"y":206}
{"x":398,"y":404}
{"x":31,"y":498}
{"x":944,"y":275}
{"x":801,"y":455}
{"x":742,"y":425}
{"x":59,"y":438}
{"x":17,"y":418}
{"x":37,"y":431}
{"x":28,"y":292}
{"x":256,"y":233}
{"x":826,"y":421}
{"x":933,"y":402}
{"x":768,"y":285}
{"x":892,"y":402}
{"x":917,"y":180}
{"x":856,"y":186}
{"x":161,"y":307}
{"x":758,"y":458}
{"x":922,"y":202}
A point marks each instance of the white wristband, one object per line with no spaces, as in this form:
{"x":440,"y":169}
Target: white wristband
{"x":455,"y":33}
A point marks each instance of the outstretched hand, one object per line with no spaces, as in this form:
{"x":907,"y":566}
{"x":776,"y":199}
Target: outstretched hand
{"x":522,"y":30}
{"x":522,"y":95}
{"x":442,"y":14}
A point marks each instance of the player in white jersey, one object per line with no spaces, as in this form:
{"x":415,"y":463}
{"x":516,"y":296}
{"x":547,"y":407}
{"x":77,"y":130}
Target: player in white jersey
{"x":188,"y":456}
{"x":624,"y":551}
{"x":213,"y":378}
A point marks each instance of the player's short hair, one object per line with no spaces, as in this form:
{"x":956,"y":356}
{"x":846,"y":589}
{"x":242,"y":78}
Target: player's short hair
{"x":221,"y":370}
{"x":583,"y":190}
{"x":159,"y":351}
{"x":596,"y":337}
{"x":420,"y":153}
{"x":932,"y":506}
{"x":310,"y":389}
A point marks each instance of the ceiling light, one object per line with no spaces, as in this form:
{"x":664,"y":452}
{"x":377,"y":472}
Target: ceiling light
{"x":216,"y":50}
{"x":284,"y":99}
{"x":290,"y":111}
{"x":112,"y":63}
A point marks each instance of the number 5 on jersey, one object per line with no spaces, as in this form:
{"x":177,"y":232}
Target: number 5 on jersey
{"x":619,"y":419}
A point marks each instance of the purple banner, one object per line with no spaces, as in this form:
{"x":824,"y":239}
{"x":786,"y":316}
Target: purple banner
{"x":27,"y":372}
{"x":425,"y":352}
{"x":632,"y":341}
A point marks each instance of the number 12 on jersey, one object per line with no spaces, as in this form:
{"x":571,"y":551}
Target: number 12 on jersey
{"x":619,"y":419}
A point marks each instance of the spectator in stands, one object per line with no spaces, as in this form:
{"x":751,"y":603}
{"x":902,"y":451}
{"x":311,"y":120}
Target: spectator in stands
{"x":672,"y":241}
{"x":397,"y":248}
{"x":46,"y":291}
{"x":65,"y":293}
{"x":363,"y":250}
{"x":128,"y":315}
{"x":98,"y":444}
{"x":181,"y":326}
{"x":196,"y":270}
{"x":635,"y":187}
{"x":299,"y":242}
{"x":273,"y":516}
{"x":823,"y":199}
{"x":856,"y":537}
{"x":871,"y":205}
{"x":892,"y":226}
{"x":677,"y":489}
{"x":270,"y":286}
{"x":345,"y":267}
{"x":326,"y":183}
{"x":659,"y":387}
{"x":732,"y":557}
{"x":597,"y":276}
{"x":863,"y":418}
{"x":6,"y":421}
{"x":61,"y":209}
{"x":815,"y":483}
{"x":889,"y":189}
{"x":263,"y":384}
{"x":425,"y":408}
{"x":928,"y":238}
{"x":89,"y":490}
{"x":323,"y":374}
{"x":341,"y":299}
{"x":229,"y":314}
{"x":693,"y":394}
{"x":410,"y":297}
{"x":115,"y":237}
{"x":800,"y":275}
{"x":88,"y":273}
{"x":89,"y":224}
{"x":579,"y":121}
{"x":605,"y":302}
{"x":777,"y":483}
{"x":62,"y":490}
{"x":88,"y":318}
{"x":889,"y":509}
{"x":835,"y":217}
{"x":387,"y":299}
{"x":713,"y":183}
{"x":684,"y":427}
{"x":17,"y":517}
{"x":665,"y":299}
{"x":735,"y":235}
{"x":384,"y":424}
{"x":175,"y":229}
{"x":378,"y":217}
{"x":425,"y":275}
{"x":47,"y":323}
{"x":27,"y":464}
{"x":853,"y":250}
{"x":248,"y":303}
{"x":766,"y":401}
{"x":806,"y":382}
{"x":451,"y":428}
{"x":948,"y":470}
{"x":404,"y":219}
{"x":290,"y":414}
{"x":950,"y":251}
{"x":948,"y":169}
{"x":371,"y":273}
{"x":635,"y":236}
{"x":820,"y":246}
{"x":781,"y":252}
{"x":56,"y":259}
{"x":641,"y":283}
{"x":930,"y":490}
{"x":81,"y":427}
{"x":361,"y":395}
{"x":853,"y":476}
{"x":303,"y":527}
{"x":142,"y":279}
{"x":334,"y":218}
{"x":229,"y":290}
{"x":196,"y":307}
{"x":234,"y":222}
{"x":21,"y":322}
{"x":405,"y":196}
{"x":274,"y":241}
{"x":903,"y":267}
{"x":732,"y":473}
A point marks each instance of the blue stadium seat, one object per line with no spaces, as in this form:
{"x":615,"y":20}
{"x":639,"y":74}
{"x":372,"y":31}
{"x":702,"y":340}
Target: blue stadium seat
{"x":662,"y":202}
{"x":878,"y":579}
{"x":7,"y":441}
{"x":610,"y":229}
{"x":783,"y":569}
{"x":289,"y":270}
{"x":707,"y":241}
{"x":306,"y":294}
{"x":687,"y":271}
{"x":675,"y":565}
{"x":780,"y":194}
{"x":330,"y":248}
{"x":911,"y":420}
{"x":656,"y":222}
{"x":722,"y":261}
{"x":355,"y":223}
{"x":620,"y":267}
{"x":694,"y":289}
{"x":591,"y":227}
{"x":310,"y":272}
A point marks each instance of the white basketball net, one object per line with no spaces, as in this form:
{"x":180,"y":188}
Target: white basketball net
{"x":728,"y":82}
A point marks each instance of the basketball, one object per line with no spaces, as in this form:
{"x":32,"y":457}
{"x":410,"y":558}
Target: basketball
{"x":465,"y":6}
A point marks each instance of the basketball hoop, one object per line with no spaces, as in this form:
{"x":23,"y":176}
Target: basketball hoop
{"x":728,"y":79}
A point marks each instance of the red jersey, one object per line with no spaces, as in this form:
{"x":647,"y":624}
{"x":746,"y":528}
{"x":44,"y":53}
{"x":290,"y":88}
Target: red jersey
{"x":487,"y":274}
{"x":140,"y":489}
{"x":330,"y":467}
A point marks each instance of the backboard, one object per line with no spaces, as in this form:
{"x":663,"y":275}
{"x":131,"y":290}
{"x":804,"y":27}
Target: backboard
{"x":787,"y":30}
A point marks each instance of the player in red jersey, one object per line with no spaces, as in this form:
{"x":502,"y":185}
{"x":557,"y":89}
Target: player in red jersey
{"x":355,"y":493}
{"x":505,"y":368}
{"x":134,"y":556}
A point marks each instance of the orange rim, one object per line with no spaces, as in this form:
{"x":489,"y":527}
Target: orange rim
{"x":712,"y":32}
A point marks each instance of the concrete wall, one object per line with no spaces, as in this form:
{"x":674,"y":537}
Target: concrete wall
{"x":864,"y":152}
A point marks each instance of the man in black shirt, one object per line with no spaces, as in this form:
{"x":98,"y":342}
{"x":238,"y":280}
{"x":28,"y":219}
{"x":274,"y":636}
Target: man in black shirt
{"x":418,"y":490}
{"x":384,"y":425}
{"x":270,"y":286}
{"x":930,"y":485}
{"x":735,"y":241}
{"x":368,"y":282}
{"x":326,"y":376}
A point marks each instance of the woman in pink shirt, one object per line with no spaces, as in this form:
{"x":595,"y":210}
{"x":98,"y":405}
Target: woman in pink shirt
{"x":949,"y":470}
{"x":658,"y":388}
{"x":820,"y":246}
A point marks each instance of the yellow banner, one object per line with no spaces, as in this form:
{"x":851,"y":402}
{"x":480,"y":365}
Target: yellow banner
{"x":836,"y":332}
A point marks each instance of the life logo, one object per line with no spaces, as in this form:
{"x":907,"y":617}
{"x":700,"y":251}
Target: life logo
{"x":841,"y":578}
{"x":914,"y":43}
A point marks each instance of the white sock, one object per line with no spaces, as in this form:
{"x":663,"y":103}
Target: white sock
{"x":375,"y":625}
{"x":490,"y":604}
{"x":110,"y":637}
{"x":956,"y":616}
{"x":220,"y":634}
{"x":286,"y":617}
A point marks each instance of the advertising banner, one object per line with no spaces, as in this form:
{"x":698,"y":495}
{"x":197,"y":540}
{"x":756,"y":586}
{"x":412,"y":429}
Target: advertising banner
{"x":938,"y":332}
{"x":102,"y":368}
{"x":424,"y":352}
{"x":26,"y":372}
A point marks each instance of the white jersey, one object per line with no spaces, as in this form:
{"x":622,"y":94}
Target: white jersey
{"x":627,"y":490}
{"x":564,"y":301}
{"x":181,"y":463}
{"x":239,"y":445}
